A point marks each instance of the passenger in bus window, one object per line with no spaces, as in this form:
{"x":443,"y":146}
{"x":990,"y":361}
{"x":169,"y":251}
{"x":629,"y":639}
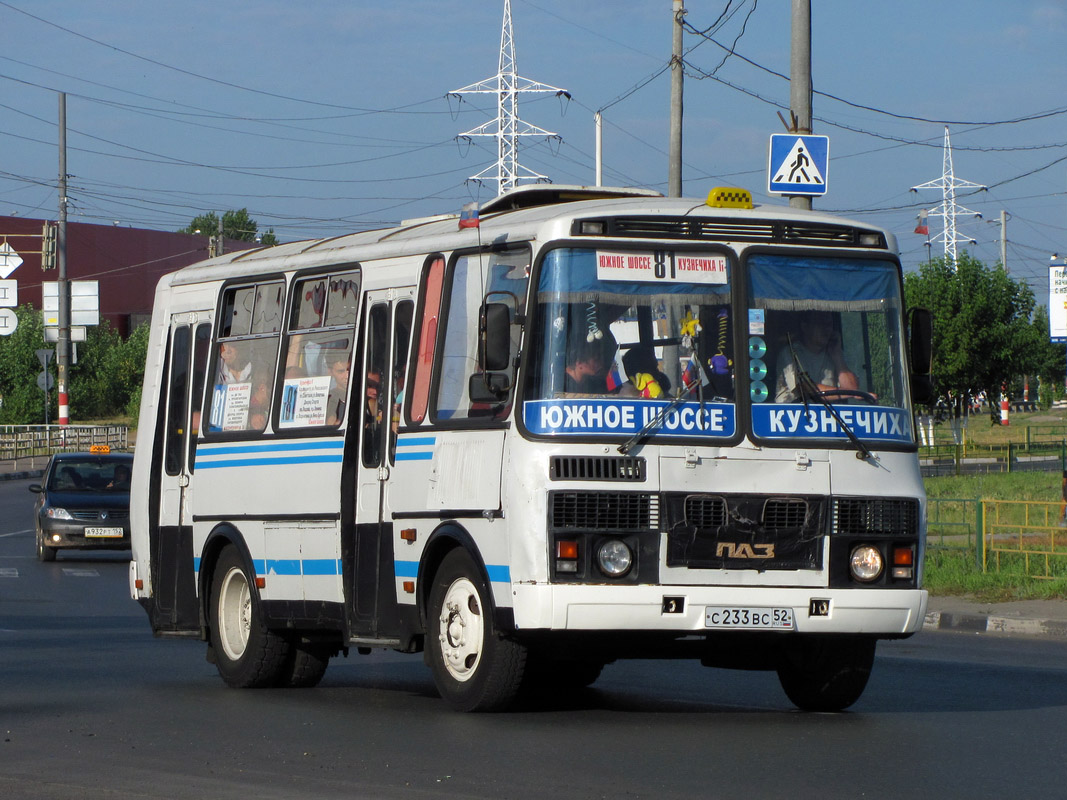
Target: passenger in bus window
{"x":818,"y":351}
{"x":234,"y":366}
{"x":372,"y":420}
{"x":337,"y":365}
{"x":259,"y":404}
{"x":643,"y":375}
{"x":586,"y":371}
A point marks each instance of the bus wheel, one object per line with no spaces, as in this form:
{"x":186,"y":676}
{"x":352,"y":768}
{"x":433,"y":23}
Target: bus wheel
{"x":474,"y":668}
{"x":247,"y":655}
{"x":826,"y":673}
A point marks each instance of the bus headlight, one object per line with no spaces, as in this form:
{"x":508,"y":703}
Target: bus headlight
{"x":866,"y":563}
{"x":614,"y":558}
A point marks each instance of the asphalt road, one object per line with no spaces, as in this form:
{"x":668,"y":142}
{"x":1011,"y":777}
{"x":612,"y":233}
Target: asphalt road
{"x":91,"y":706}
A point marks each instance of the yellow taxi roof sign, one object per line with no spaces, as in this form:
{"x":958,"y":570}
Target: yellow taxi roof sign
{"x":100,"y":449}
{"x":729,"y":197}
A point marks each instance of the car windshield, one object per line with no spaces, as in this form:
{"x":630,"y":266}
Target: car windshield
{"x":821,"y":332}
{"x":619,"y":334}
{"x":91,"y":475}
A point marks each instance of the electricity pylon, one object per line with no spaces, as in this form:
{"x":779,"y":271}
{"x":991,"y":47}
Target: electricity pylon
{"x":949,"y":209}
{"x":507,"y":127}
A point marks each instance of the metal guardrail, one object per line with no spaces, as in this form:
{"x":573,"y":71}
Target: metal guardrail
{"x":961,"y":459}
{"x":31,"y":445}
{"x":1024,"y":535}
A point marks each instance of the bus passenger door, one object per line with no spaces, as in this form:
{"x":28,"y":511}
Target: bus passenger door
{"x":173,"y":576}
{"x":387,"y":330}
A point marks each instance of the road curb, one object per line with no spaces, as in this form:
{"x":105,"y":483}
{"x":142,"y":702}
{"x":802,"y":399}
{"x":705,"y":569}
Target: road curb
{"x":1005,"y":626}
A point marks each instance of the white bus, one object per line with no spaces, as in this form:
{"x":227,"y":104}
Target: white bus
{"x":593,"y":425}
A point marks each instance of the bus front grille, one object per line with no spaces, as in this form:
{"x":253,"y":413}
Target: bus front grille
{"x":603,"y":511}
{"x":864,"y":516}
{"x":596,"y":468}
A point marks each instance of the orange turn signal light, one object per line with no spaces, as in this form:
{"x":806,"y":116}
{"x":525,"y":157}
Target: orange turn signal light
{"x":567,"y":550}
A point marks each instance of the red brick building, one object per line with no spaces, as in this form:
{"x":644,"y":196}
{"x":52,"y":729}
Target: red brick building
{"x":127,"y":262}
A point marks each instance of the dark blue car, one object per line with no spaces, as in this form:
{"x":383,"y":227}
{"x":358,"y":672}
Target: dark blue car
{"x":83,"y":503}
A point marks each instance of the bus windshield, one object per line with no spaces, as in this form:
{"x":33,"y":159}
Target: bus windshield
{"x":826,"y":331}
{"x":620,"y":333}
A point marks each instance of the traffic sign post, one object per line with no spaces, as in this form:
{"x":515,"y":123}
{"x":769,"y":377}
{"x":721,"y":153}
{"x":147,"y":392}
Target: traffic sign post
{"x":8,"y":321}
{"x":797,"y":164}
{"x":9,"y":260}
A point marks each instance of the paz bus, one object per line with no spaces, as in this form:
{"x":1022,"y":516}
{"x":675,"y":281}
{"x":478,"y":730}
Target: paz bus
{"x":583,"y":425}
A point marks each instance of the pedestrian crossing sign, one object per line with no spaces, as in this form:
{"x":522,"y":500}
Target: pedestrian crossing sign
{"x":797,"y":164}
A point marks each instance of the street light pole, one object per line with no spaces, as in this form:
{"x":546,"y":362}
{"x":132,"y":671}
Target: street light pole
{"x":63,"y":345}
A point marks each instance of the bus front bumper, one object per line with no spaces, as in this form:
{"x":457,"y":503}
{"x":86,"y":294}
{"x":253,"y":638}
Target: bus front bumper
{"x":704,"y":609}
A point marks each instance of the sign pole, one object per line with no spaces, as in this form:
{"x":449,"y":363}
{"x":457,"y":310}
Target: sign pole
{"x":63,"y":345}
{"x":800,"y":78}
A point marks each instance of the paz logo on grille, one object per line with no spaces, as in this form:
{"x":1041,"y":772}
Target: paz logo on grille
{"x":744,"y":550}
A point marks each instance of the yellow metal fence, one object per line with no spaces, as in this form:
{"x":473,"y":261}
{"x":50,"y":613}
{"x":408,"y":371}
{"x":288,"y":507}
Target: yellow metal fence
{"x":1026,"y":535}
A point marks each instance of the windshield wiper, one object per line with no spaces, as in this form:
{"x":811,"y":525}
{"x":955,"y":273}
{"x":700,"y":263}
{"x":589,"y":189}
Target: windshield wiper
{"x":805,"y":384}
{"x":698,"y":382}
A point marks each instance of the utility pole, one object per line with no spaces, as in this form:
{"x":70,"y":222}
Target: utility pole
{"x":800,"y":78}
{"x":674,"y":166}
{"x":1004,"y":239}
{"x":598,"y":122}
{"x":63,"y":345}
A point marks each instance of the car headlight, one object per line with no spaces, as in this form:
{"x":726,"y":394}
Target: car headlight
{"x":866,"y":563}
{"x":58,"y":513}
{"x":614,"y":558}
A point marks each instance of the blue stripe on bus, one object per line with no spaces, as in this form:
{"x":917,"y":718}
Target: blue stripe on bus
{"x":321,"y":566}
{"x":283,"y":566}
{"x":263,"y":462}
{"x":416,"y":441}
{"x":498,"y":573}
{"x":419,"y":456}
{"x":209,"y":450}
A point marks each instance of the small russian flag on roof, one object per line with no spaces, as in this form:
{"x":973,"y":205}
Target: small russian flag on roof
{"x":468,"y":217}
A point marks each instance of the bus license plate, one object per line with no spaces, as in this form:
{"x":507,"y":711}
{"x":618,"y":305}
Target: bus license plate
{"x":103,"y":533}
{"x":741,"y":618}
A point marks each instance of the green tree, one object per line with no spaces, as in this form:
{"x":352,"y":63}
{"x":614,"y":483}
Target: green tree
{"x":983,"y":336}
{"x":1048,"y":359}
{"x":235,"y":225}
{"x":23,"y":400}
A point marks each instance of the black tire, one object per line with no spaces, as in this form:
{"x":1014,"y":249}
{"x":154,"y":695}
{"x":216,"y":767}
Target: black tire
{"x":305,"y":666}
{"x":474,"y":667}
{"x":44,"y":552}
{"x":826,"y":673}
{"x":247,"y":655}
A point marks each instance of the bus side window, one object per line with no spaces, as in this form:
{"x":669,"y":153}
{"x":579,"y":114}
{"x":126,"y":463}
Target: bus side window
{"x":401,"y":340}
{"x":375,"y":371}
{"x":201,"y":348}
{"x":478,"y":281}
{"x":176,"y":402}
{"x":429,"y":312}
{"x":318,"y":360}
{"x":247,"y":353}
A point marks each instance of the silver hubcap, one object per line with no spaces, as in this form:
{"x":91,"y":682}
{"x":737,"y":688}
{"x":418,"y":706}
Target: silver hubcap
{"x":235,"y":614}
{"x":461,"y":630}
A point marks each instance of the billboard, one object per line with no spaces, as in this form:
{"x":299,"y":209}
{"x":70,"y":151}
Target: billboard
{"x":1057,"y":303}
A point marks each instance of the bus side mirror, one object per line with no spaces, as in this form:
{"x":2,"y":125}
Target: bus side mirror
{"x":495,"y":337}
{"x":920,"y":351}
{"x":488,"y":387}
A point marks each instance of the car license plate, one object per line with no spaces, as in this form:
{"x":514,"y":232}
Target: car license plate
{"x":103,"y":533}
{"x":747,"y":618}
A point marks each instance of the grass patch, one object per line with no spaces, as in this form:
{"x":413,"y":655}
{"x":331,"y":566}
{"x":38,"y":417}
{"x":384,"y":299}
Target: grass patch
{"x":953,"y":571}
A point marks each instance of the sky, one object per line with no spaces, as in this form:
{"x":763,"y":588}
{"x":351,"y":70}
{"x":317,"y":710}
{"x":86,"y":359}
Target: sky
{"x":329,"y":116}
